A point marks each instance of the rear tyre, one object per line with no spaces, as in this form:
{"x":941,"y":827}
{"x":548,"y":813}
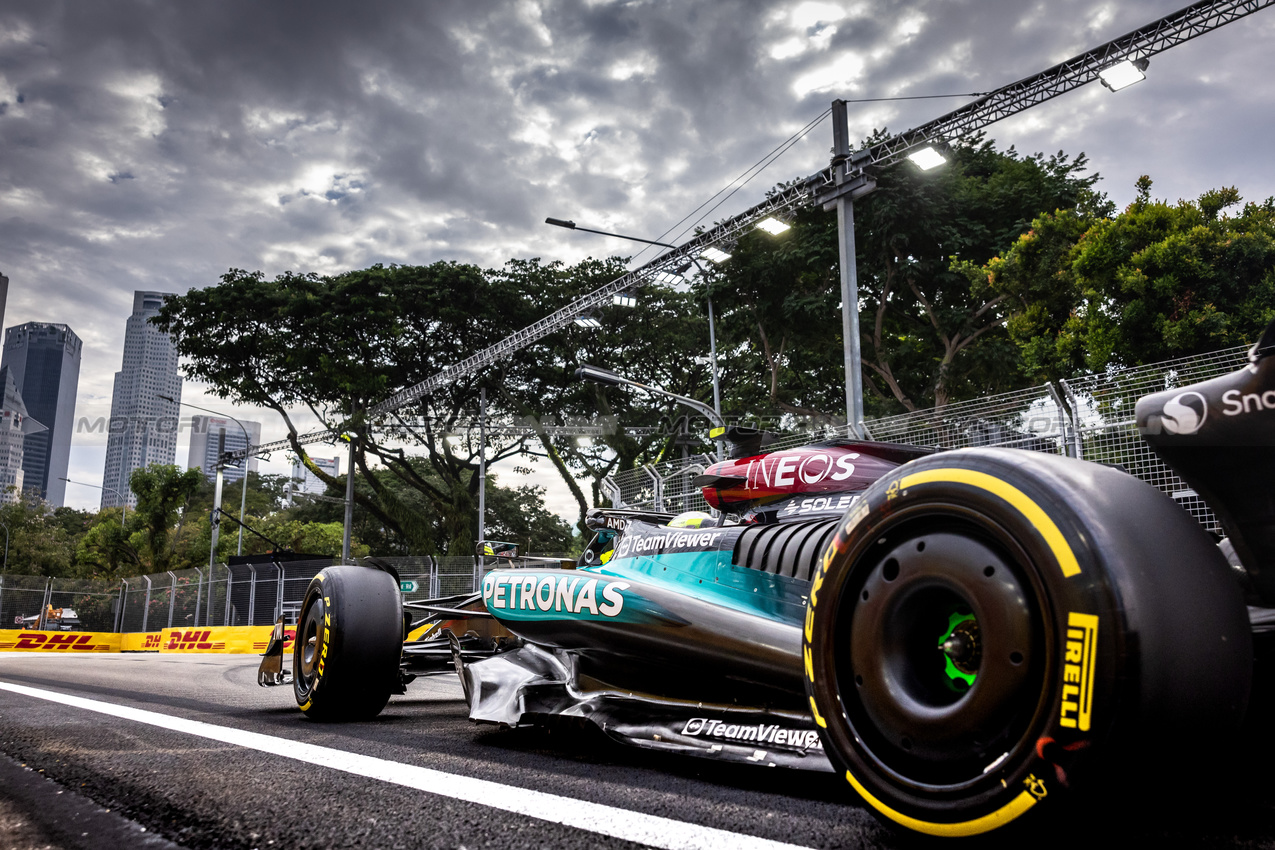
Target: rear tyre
{"x":349,"y":643}
{"x":988,"y":625}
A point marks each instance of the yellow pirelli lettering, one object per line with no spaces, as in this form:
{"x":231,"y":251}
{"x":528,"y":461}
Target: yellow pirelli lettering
{"x":1011,"y":810}
{"x":810,"y":664}
{"x":1016,"y":498}
{"x":1076,"y":709}
{"x":814,"y":712}
{"x":810,"y":623}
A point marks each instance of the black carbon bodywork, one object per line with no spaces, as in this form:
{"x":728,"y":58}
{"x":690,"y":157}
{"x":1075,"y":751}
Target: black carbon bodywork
{"x":531,"y":684}
{"x":788,"y":549}
{"x":1219,"y":435}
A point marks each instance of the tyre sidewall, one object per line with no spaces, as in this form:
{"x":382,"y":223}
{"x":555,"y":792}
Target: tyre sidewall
{"x":359,"y":647}
{"x":1077,"y":605}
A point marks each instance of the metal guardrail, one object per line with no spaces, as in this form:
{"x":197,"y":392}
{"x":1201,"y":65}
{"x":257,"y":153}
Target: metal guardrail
{"x":1089,"y":418}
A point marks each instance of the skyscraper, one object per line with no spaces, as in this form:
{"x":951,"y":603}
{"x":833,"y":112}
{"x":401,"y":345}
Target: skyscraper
{"x":205,"y":432}
{"x":143,"y":429}
{"x":15,"y":427}
{"x":307,"y":481}
{"x":45,"y":361}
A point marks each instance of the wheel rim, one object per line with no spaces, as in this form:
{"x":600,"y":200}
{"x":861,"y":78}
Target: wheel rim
{"x":309,"y":645}
{"x":942,"y":653}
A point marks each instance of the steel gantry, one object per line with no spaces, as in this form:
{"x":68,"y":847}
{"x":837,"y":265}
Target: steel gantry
{"x":849,"y":176}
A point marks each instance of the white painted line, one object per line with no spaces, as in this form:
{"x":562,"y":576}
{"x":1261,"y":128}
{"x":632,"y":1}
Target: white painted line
{"x":624,"y":824}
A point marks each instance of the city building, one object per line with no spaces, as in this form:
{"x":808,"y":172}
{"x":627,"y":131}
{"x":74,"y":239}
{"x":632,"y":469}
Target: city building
{"x":44,"y":360}
{"x":205,"y":436}
{"x":4,"y":296}
{"x":305,"y":481}
{"x":15,"y":426}
{"x":143,"y":426}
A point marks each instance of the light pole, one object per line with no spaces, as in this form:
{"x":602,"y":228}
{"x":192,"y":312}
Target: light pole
{"x":6,"y":548}
{"x":123,"y":501}
{"x":712,"y":330}
{"x":482,"y":465}
{"x":609,"y":378}
{"x":347,"y":526}
{"x":243,"y":490}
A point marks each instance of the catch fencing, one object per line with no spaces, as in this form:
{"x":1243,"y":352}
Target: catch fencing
{"x":248,"y":594}
{"x":1090,"y":418}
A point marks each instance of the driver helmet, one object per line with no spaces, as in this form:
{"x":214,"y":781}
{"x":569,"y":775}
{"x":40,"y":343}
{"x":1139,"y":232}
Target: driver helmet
{"x":692,"y":519}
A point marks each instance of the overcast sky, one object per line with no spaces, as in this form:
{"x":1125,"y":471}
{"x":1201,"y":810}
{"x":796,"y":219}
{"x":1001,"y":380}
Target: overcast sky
{"x":156,"y":145}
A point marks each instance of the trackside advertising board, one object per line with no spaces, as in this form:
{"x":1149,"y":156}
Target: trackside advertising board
{"x":141,"y":641}
{"x":225,"y":639}
{"x":65,"y":642}
{"x":244,"y":639}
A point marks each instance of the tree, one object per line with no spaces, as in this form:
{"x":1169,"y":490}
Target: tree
{"x":661,"y":341}
{"x":518,"y":515}
{"x":929,"y":334}
{"x":515,"y":514}
{"x":41,"y":541}
{"x":1156,"y":282}
{"x":143,"y":543}
{"x":337,"y":345}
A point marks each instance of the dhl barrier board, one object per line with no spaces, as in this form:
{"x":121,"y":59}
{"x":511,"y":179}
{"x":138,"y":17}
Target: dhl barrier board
{"x":65,"y":642}
{"x":141,"y":641}
{"x":221,"y":639}
{"x":231,"y":639}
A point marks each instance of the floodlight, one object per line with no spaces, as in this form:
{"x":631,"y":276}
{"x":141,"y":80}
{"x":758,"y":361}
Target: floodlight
{"x":715,"y":255}
{"x":1123,"y":74}
{"x":624,"y":299}
{"x":927,"y":158}
{"x":773,"y":226}
{"x":599,"y":376}
{"x":668,"y":278}
{"x":588,"y":321}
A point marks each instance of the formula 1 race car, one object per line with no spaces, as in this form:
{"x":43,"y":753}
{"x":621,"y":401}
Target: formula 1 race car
{"x":961,"y":634}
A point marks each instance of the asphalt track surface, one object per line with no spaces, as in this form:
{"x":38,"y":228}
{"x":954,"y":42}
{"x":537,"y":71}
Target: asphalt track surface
{"x":168,"y":784}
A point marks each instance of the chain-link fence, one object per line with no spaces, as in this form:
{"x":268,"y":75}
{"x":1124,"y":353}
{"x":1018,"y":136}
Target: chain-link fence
{"x":241,"y":594}
{"x":1102,"y":409}
{"x":1090,"y":418}
{"x":666,"y":486}
{"x":22,"y":598}
{"x":1031,"y":419}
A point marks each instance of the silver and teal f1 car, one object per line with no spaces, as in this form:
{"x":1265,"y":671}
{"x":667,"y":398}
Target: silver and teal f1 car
{"x":962,"y":635}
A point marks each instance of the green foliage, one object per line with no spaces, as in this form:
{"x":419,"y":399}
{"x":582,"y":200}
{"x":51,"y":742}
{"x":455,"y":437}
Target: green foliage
{"x":40,"y":541}
{"x":162,"y":491}
{"x":518,"y":515}
{"x":115,"y":546}
{"x":335,"y":345}
{"x":1158,"y":281}
{"x":932,"y":329}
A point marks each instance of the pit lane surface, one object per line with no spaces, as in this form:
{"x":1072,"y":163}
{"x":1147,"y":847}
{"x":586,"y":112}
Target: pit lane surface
{"x":202,"y":792}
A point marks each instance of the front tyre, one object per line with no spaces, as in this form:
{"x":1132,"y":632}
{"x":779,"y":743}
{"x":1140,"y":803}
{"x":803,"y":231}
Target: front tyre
{"x":989,"y":624}
{"x":349,"y":643}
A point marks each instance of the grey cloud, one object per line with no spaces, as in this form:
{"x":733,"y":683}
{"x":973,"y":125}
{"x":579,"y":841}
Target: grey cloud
{"x":157,"y":145}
